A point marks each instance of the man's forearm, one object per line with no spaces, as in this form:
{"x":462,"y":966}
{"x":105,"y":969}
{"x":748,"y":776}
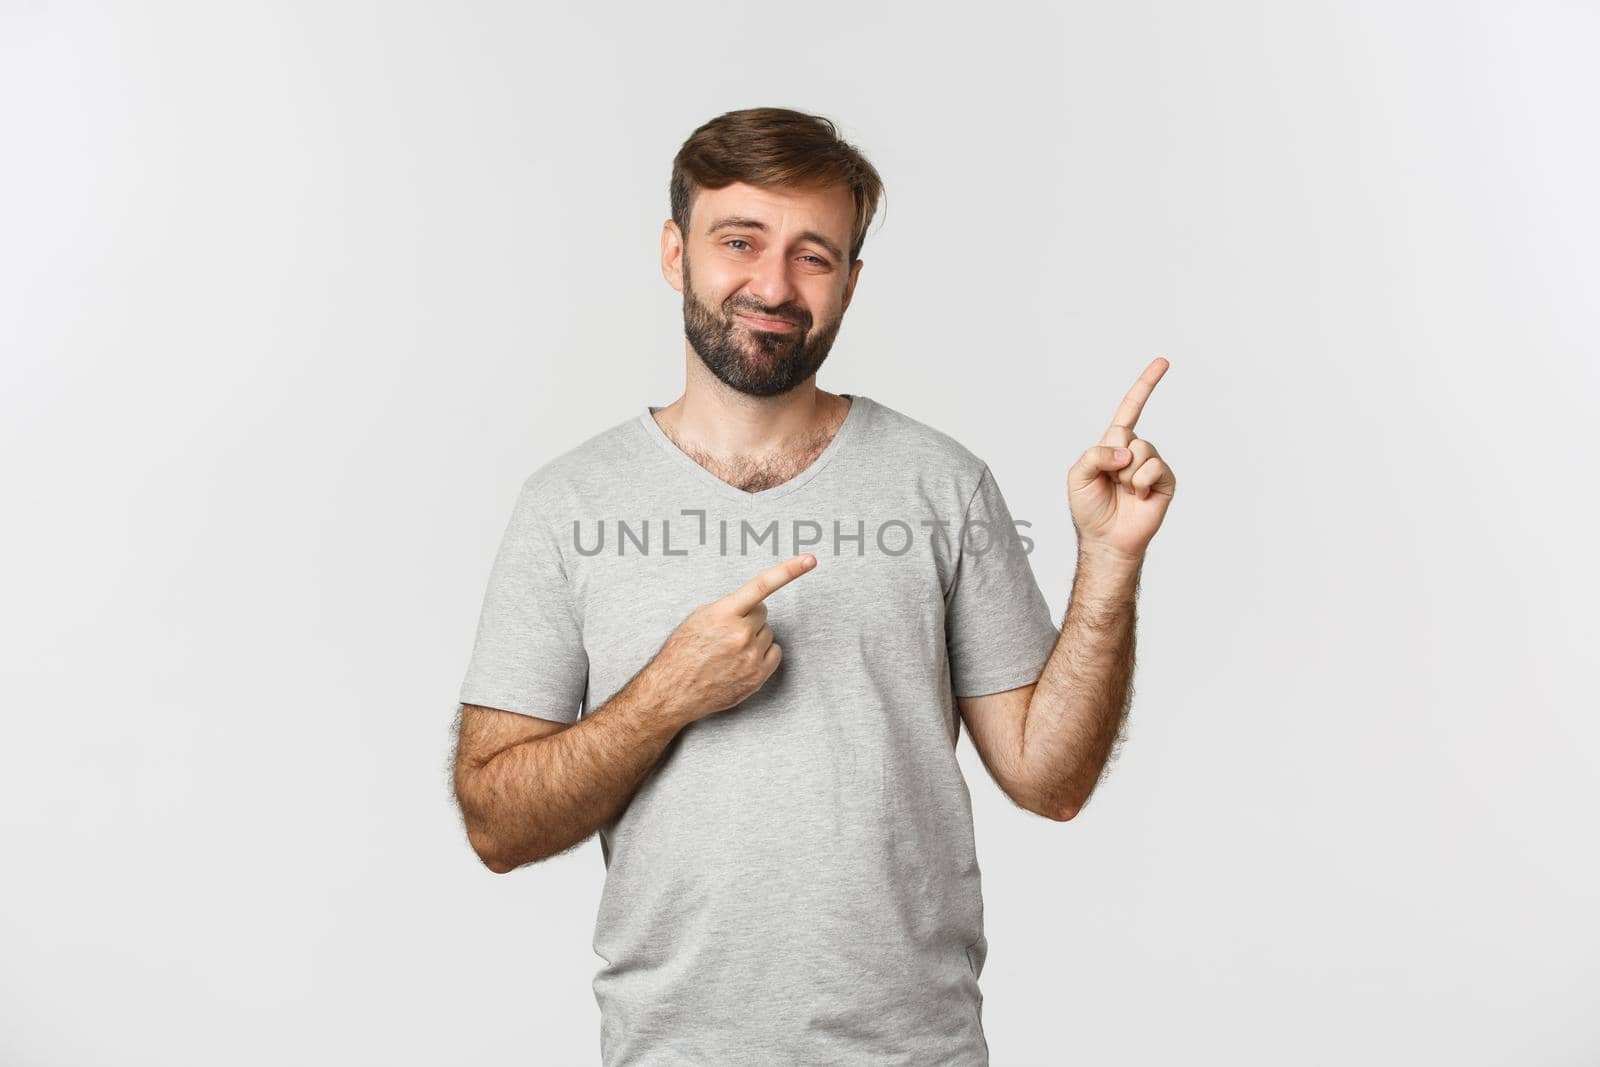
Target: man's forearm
{"x":539,"y":798}
{"x":1082,"y":697}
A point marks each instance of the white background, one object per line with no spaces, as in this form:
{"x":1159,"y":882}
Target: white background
{"x":293,"y":297}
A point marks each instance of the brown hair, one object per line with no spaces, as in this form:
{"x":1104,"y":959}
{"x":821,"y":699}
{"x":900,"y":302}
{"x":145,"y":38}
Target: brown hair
{"x":773,"y":146}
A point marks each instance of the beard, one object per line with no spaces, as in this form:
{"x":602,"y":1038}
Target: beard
{"x":753,"y":361}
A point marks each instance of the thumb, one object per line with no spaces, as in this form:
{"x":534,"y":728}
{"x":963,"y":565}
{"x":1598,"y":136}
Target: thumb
{"x":1095,"y":459}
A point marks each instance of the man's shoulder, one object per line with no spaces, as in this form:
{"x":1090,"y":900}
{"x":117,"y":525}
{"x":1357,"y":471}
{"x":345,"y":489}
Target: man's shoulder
{"x":916,"y":444}
{"x":591,"y":462}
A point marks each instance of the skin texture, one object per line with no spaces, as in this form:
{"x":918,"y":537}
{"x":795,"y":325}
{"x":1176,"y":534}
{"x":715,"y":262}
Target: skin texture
{"x":1047,"y":744}
{"x":753,"y":474}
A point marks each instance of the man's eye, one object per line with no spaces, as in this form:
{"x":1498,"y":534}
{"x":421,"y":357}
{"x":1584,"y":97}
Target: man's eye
{"x":819,"y":259}
{"x":736,"y":241}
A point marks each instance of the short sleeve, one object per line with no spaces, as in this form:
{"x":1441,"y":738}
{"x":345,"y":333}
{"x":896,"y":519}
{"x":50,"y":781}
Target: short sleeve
{"x":528,"y":656}
{"x":998,"y":627}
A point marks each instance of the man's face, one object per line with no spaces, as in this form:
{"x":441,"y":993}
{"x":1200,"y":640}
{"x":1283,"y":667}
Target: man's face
{"x":769,"y":284}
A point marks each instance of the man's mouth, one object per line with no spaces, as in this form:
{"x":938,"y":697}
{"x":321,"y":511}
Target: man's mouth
{"x":760,"y":323}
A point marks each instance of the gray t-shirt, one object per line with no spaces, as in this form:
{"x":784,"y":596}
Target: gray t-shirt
{"x":796,"y":881}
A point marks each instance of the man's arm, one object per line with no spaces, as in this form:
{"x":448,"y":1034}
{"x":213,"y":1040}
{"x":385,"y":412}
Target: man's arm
{"x":529,"y":798}
{"x":529,"y":790}
{"x":1047,"y":744}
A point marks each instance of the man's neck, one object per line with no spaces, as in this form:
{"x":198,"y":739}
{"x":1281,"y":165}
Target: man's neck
{"x":716,"y":420}
{"x":752,"y":442}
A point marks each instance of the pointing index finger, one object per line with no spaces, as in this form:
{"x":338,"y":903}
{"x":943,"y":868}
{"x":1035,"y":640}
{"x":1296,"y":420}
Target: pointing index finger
{"x":1128,"y":411}
{"x":769,"y":581}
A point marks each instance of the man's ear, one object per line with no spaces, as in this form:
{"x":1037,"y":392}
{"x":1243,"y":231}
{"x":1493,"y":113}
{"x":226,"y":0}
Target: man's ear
{"x":672,"y":254}
{"x":850,"y":286}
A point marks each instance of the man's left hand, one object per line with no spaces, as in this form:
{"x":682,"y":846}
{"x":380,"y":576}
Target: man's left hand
{"x":1118,"y":504}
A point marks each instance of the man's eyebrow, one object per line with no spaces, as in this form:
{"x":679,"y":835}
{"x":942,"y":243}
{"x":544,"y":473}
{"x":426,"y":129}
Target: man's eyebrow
{"x":741,"y":222}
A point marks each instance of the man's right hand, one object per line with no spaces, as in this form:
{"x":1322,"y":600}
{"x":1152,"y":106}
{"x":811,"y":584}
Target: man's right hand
{"x":723,"y":651}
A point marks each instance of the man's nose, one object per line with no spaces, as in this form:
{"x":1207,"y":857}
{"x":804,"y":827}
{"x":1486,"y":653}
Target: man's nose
{"x":771,"y":283}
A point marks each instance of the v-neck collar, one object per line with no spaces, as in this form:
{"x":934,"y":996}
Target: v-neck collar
{"x":852,"y":419}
